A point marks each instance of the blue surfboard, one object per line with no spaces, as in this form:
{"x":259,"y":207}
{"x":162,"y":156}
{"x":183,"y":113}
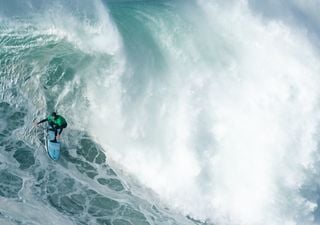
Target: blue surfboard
{"x":53,"y":148}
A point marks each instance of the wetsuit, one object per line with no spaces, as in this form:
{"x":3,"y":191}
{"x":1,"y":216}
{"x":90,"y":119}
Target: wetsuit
{"x":56,"y":123}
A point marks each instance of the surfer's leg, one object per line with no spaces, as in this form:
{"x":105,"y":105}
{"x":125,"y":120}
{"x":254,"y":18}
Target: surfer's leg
{"x":55,"y":135}
{"x":61,"y":129}
{"x":51,"y":125}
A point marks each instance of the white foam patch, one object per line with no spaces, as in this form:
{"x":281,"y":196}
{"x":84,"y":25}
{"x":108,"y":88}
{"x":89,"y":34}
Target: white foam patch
{"x":230,"y":137}
{"x":91,"y":35}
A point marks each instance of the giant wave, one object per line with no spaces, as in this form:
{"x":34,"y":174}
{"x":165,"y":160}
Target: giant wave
{"x":180,"y":112}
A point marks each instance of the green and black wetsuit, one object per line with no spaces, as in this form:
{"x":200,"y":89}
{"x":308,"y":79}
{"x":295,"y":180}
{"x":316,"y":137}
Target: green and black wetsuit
{"x":56,"y":123}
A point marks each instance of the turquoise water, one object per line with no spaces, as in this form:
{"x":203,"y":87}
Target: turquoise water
{"x":42,"y":69}
{"x":179,"y":112}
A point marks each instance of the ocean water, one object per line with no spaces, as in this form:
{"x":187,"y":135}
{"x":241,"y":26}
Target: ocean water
{"x":179,"y":112}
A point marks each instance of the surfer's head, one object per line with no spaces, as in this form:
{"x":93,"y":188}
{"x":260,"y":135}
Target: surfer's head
{"x":54,"y":115}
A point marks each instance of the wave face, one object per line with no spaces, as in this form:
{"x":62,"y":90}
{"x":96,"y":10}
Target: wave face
{"x":179,"y":112}
{"x":49,"y":52}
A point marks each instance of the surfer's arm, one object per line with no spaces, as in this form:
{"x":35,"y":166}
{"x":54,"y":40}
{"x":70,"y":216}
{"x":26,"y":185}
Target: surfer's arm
{"x":41,"y":121}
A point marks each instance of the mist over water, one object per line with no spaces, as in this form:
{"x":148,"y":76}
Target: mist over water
{"x":205,"y":109}
{"x":218,"y":111}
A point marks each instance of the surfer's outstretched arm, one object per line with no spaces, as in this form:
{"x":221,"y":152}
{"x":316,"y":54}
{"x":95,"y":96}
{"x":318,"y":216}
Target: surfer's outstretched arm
{"x":41,"y":121}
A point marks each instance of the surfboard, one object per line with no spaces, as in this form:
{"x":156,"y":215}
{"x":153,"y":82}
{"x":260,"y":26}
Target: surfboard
{"x":53,"y":148}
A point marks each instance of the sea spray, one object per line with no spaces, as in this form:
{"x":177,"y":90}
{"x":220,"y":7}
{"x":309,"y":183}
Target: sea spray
{"x":224,"y":129}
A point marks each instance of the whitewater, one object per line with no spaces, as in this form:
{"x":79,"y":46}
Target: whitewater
{"x":195,"y":112}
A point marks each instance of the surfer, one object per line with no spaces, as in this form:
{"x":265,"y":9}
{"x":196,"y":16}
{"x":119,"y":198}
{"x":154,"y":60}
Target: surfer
{"x":56,"y":122}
